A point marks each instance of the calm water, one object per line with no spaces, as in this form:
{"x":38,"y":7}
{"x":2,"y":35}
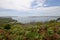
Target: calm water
{"x":35,"y":18}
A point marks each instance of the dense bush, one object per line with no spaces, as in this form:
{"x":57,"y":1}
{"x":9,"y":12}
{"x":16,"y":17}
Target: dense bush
{"x":7,"y":27}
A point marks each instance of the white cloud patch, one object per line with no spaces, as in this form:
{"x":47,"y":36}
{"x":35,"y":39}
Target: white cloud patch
{"x":15,"y":4}
{"x":39,"y":3}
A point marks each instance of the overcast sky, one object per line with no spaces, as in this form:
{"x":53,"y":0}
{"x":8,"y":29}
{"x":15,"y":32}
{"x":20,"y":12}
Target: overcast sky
{"x":29,"y":8}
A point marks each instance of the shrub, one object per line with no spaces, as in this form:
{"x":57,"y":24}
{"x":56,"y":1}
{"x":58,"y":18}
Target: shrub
{"x":7,"y":27}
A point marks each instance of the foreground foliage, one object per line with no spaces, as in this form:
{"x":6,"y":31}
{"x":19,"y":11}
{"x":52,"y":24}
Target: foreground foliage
{"x":32,"y":31}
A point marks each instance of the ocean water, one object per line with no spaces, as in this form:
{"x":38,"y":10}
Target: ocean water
{"x":35,"y":18}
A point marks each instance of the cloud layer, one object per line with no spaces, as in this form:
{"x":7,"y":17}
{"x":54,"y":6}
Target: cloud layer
{"x":29,"y":8}
{"x":50,"y":11}
{"x":21,"y":4}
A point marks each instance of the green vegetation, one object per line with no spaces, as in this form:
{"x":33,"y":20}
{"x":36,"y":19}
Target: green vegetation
{"x":7,"y":27}
{"x":32,"y":31}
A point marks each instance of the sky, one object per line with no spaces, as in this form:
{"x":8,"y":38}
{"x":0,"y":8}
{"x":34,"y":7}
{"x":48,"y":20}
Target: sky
{"x":29,"y":8}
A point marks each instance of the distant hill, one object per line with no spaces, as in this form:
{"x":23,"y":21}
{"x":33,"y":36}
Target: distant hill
{"x":6,"y":20}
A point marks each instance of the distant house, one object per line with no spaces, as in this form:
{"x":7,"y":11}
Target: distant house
{"x":58,"y":20}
